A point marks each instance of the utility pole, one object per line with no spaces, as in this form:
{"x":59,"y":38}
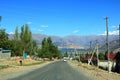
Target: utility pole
{"x":119,"y":35}
{"x":0,"y":20}
{"x":90,"y":45}
{"x":89,"y":49}
{"x":75,"y":53}
{"x":97,"y":53}
{"x":107,"y":44}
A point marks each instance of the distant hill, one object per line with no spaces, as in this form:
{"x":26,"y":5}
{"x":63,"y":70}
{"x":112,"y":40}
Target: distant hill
{"x":112,"y":45}
{"x":80,"y":42}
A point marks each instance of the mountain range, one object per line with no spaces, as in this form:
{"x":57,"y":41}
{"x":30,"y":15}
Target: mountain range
{"x":79,"y":42}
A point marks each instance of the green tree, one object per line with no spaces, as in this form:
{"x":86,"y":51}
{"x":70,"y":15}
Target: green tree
{"x":49,"y":50}
{"x":101,"y":56}
{"x":3,"y":39}
{"x":26,"y":39}
{"x":16,"y":36}
{"x":3,"y":34}
{"x":0,"y":20}
{"x":33,"y":47}
{"x":66,"y":54}
{"x":24,"y":42}
{"x":17,"y":44}
{"x":5,"y":43}
{"x":16,"y":50}
{"x":95,"y":55}
{"x":46,"y":49}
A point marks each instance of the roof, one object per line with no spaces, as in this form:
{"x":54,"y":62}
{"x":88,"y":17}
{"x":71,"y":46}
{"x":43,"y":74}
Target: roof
{"x":89,"y":57}
{"x":6,"y":51}
{"x":112,"y":56}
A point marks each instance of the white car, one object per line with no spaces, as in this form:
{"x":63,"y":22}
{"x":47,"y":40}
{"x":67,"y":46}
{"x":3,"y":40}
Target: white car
{"x":64,"y":60}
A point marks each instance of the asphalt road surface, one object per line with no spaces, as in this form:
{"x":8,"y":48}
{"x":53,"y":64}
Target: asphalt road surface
{"x":55,"y":71}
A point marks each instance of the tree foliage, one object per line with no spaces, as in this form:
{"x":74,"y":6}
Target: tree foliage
{"x":26,"y":38}
{"x":66,"y":54}
{"x":48,"y":49}
{"x":3,"y":34}
{"x":101,"y":56}
{"x":4,"y":42}
{"x":23,"y":42}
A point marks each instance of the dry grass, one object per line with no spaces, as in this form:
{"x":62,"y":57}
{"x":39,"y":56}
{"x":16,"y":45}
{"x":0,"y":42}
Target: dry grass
{"x":94,"y":72}
{"x":15,"y":69}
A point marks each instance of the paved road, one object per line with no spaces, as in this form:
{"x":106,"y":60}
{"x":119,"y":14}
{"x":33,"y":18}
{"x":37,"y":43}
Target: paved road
{"x":55,"y":71}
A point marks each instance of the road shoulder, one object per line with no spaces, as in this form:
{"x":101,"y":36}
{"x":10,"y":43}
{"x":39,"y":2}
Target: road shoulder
{"x":15,"y":71}
{"x":94,"y":72}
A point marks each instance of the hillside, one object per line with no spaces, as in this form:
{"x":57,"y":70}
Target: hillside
{"x":80,"y":42}
{"x":112,"y":45}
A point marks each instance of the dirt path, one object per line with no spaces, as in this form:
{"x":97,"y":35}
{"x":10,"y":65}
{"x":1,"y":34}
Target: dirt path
{"x":94,"y":72}
{"x":15,"y":71}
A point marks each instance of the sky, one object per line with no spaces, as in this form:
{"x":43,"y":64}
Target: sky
{"x":61,"y":17}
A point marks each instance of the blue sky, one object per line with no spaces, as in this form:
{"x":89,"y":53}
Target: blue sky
{"x":61,"y":17}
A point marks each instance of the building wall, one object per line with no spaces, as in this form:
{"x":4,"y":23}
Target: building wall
{"x":5,"y":56}
{"x":104,"y":64}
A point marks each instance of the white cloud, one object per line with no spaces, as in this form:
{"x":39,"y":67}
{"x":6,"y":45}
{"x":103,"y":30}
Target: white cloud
{"x":40,"y":30}
{"x":29,"y":22}
{"x":75,"y":31}
{"x":11,"y":33}
{"x":112,"y":32}
{"x":114,"y":26}
{"x":44,"y":26}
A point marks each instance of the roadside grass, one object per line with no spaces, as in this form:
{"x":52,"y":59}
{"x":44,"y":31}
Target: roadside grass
{"x":4,"y":66}
{"x":31,"y":64}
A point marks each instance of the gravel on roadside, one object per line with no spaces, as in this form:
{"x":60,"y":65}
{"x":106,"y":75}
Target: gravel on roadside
{"x":94,"y":72}
{"x":15,"y":71}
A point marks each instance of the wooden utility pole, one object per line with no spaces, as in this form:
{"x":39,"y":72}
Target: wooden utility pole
{"x":97,"y":53}
{"x":119,"y":35}
{"x":89,"y":49}
{"x":90,"y":46}
{"x":90,"y":60}
{"x":107,"y":44}
{"x":0,"y":20}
